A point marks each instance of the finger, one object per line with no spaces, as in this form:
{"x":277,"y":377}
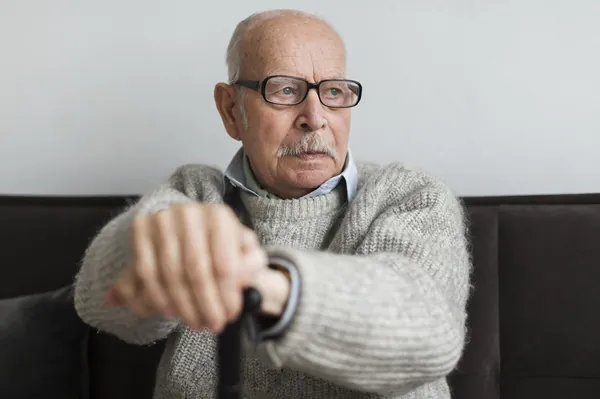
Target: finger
{"x":197,"y":265}
{"x":149,"y":292}
{"x":225,"y":246}
{"x":172,"y":282}
{"x":126,"y":289}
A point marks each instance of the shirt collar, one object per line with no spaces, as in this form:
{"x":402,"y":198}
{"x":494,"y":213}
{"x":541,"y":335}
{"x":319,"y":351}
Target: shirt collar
{"x":237,"y":178}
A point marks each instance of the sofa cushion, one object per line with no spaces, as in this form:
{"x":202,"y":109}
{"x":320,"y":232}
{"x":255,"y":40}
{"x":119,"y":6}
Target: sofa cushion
{"x":548,"y":301}
{"x":43,"y":345}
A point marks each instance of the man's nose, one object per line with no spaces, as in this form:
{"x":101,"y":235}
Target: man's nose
{"x":311,"y":117}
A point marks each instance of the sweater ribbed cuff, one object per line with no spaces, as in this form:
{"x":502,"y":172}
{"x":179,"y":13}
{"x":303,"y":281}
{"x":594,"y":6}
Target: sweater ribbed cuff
{"x":278,"y":329}
{"x":306,"y":308}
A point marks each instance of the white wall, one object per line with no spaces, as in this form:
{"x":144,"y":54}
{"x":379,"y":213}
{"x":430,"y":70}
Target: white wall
{"x":495,"y":96}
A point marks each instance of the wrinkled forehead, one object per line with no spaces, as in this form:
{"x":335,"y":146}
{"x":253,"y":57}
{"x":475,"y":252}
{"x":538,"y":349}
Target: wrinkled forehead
{"x":307,"y":49}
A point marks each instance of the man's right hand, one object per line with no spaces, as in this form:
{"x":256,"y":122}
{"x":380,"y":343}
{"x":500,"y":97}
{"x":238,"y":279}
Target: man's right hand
{"x":191,"y":261}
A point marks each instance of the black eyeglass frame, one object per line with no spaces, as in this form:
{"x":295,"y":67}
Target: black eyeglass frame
{"x":260,"y":86}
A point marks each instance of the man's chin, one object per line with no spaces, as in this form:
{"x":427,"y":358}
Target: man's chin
{"x":308,"y":172}
{"x":311,"y":179}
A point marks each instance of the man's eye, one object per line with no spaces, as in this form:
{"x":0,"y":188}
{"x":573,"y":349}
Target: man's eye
{"x":287,"y":91}
{"x":334,"y":91}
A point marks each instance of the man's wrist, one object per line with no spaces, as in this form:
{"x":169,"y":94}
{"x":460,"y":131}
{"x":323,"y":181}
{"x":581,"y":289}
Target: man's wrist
{"x":274,"y":324}
{"x":274,"y":285}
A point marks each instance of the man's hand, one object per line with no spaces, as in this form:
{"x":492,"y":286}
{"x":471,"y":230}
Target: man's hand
{"x":192,"y":261}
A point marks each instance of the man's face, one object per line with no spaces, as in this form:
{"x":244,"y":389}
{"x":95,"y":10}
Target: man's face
{"x":309,"y":50}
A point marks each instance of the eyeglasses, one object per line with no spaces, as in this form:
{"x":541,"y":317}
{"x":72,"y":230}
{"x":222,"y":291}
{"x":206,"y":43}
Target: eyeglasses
{"x":289,"y":90}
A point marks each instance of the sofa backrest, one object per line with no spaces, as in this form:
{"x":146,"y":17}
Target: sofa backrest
{"x":533,"y":321}
{"x":43,"y":240}
{"x":533,"y":318}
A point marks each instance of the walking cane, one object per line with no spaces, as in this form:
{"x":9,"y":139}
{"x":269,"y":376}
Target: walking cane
{"x":230,"y":385}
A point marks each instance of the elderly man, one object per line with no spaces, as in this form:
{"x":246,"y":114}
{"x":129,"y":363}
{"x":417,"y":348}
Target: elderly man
{"x":363,"y":270}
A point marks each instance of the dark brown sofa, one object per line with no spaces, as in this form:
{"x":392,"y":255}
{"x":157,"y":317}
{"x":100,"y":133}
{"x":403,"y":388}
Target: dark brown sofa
{"x":534,"y":323}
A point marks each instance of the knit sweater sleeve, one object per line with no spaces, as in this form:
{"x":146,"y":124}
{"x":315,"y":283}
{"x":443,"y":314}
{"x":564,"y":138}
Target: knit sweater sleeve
{"x":108,"y":256}
{"x":388,"y":314}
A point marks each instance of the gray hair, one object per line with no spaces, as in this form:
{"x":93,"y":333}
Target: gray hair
{"x":234,"y":49}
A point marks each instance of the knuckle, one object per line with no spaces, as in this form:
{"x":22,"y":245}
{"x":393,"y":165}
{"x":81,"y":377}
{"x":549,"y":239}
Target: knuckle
{"x":221,"y":212}
{"x":224,"y":210}
{"x":186,"y":210}
{"x":137,"y":225}
{"x":143,"y":272}
{"x":162,"y":218}
{"x":179,"y":208}
{"x":224,"y":268}
{"x":138,"y":220}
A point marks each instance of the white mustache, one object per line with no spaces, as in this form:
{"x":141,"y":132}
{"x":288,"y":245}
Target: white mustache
{"x":309,"y":143}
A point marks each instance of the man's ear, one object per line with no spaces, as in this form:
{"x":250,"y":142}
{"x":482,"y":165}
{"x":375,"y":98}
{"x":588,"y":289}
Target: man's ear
{"x":226,"y":101}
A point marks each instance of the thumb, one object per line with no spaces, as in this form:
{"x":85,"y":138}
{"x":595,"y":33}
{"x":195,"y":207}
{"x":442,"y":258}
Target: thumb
{"x":254,"y":261}
{"x":254,"y":257}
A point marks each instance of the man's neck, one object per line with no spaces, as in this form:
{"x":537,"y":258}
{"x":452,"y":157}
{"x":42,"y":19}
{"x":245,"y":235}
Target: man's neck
{"x":252,"y":182}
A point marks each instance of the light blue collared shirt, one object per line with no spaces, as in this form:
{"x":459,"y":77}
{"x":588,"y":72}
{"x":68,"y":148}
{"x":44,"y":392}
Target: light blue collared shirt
{"x":236,"y":176}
